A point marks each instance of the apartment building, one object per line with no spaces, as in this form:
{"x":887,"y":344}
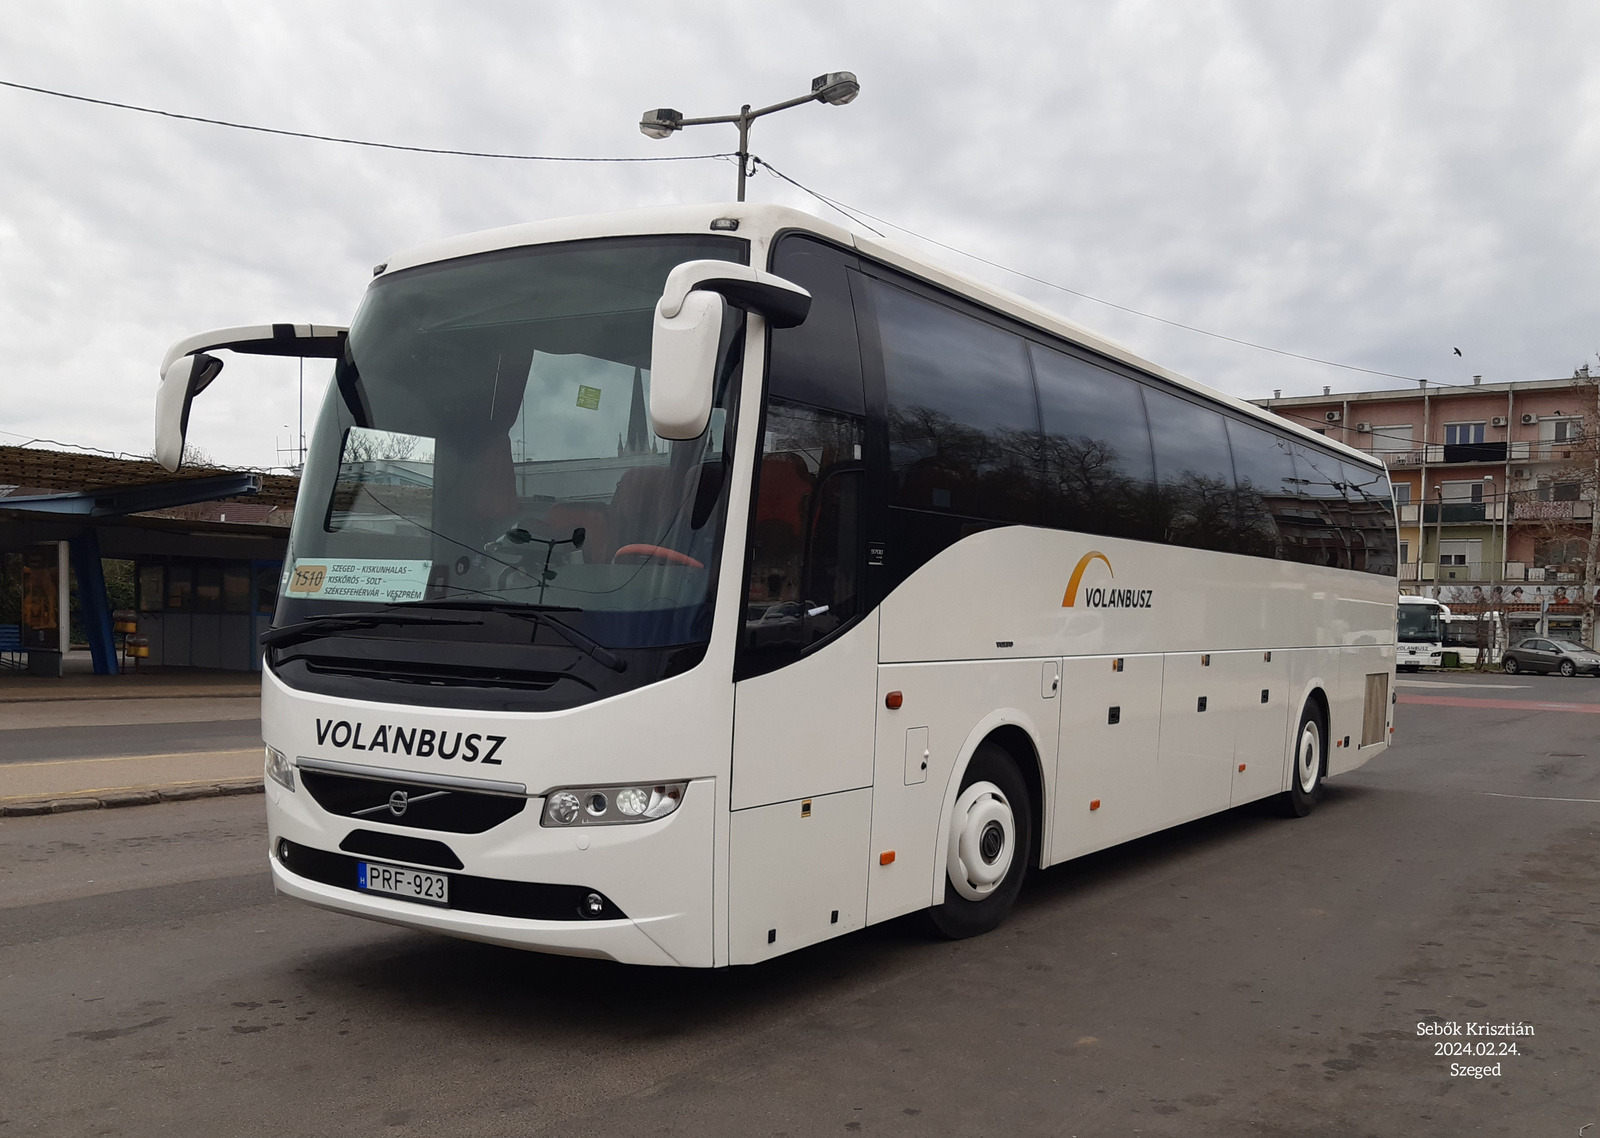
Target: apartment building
{"x":1495,"y":484}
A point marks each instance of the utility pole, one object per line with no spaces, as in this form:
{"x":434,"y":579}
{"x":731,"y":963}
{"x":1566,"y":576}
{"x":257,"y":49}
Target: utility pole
{"x":1592,"y":555}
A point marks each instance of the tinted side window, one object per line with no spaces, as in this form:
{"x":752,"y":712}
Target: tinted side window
{"x":1324,"y":514}
{"x":963,"y":423}
{"x":820,"y":361}
{"x":1268,"y":507}
{"x":1097,"y":464}
{"x":1194,"y":474}
{"x":1374,"y":544}
{"x":805,"y":549}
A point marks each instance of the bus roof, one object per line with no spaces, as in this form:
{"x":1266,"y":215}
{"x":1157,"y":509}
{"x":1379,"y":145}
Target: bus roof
{"x":761,"y":223}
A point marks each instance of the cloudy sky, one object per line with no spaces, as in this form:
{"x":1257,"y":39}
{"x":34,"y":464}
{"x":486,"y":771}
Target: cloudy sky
{"x":1371,"y":183}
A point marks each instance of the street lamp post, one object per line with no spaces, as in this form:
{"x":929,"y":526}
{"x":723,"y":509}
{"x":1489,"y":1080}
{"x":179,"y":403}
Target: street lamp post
{"x":836,"y":88}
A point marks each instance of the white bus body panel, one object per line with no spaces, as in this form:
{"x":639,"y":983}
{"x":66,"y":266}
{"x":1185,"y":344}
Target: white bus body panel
{"x":798,"y":873}
{"x":806,"y":729}
{"x":959,"y":704}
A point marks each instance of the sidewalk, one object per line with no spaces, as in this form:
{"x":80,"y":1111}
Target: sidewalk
{"x":174,"y":683}
{"x":55,"y":785}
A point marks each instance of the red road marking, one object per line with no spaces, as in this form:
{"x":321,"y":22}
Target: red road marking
{"x":1507,"y":704}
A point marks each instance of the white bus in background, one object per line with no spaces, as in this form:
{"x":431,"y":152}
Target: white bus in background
{"x":1419,"y":630}
{"x":1471,"y":635}
{"x":687,"y":586}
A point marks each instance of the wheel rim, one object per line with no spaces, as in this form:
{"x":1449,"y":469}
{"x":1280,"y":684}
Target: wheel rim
{"x":983,"y":841}
{"x":1510,"y":665}
{"x":1566,"y":668}
{"x":1308,"y":757}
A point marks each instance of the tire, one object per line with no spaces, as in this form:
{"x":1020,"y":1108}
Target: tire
{"x":1568,"y":669}
{"x":992,"y":828}
{"x":1509,"y":664}
{"x":1305,"y":777}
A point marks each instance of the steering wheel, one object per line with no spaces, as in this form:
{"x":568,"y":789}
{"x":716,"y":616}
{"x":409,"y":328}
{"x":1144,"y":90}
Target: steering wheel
{"x":661,"y":551}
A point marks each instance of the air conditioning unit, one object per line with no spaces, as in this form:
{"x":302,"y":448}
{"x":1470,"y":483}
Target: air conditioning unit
{"x":1529,"y":420}
{"x":1498,"y":421}
{"x":1519,"y":472}
{"x":1364,"y":428}
{"x":1331,"y":416}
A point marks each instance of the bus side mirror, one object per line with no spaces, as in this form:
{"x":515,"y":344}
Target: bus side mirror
{"x":183,"y":379}
{"x":683,"y":364}
{"x":189,"y":368}
{"x":688,"y":328}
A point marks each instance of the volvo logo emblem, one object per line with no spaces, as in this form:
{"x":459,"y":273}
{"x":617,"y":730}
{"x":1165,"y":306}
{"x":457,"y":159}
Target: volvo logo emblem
{"x":398,"y":802}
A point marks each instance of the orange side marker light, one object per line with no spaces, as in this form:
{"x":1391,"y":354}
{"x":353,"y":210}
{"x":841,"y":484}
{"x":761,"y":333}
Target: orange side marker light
{"x":1241,"y":766}
{"x":1094,"y":804}
{"x":893,"y":701}
{"x":886,"y":857}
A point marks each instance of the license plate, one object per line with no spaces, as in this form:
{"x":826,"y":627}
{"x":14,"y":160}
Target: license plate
{"x":412,"y":884}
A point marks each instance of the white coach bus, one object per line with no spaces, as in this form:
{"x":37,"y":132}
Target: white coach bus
{"x":688,"y":586}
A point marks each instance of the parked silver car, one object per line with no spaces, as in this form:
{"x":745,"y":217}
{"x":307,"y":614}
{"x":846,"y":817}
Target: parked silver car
{"x":1540,"y":654}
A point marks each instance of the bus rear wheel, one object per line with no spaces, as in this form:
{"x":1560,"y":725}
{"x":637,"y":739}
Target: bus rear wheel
{"x":1305,"y":780}
{"x":991,"y":839}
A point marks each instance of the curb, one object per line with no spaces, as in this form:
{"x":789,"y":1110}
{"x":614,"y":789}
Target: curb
{"x":29,"y":807}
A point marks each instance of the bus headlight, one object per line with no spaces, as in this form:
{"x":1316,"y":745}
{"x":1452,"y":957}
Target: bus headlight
{"x":611,"y":805}
{"x":279,"y":769}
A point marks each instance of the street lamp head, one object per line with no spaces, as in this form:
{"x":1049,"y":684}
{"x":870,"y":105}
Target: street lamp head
{"x":836,"y":88}
{"x":661,"y":123}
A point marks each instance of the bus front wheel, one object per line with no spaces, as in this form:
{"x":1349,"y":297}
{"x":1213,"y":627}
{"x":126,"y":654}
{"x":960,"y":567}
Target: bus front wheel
{"x":991,"y":839}
{"x":1305,"y":780}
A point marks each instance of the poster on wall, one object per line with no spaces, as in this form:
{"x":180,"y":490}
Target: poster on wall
{"x":1542,"y":595}
{"x":41,"y":616}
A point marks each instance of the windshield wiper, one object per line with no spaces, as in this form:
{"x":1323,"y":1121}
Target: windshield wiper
{"x":540,"y":614}
{"x":344,"y":621}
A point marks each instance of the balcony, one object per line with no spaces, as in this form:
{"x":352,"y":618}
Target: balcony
{"x":1535,"y":511}
{"x":1439,"y":454}
{"x":1518,"y":450}
{"x":1472,"y":572}
{"x":1457,"y":513}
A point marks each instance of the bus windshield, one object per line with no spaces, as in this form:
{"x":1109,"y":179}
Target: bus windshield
{"x":486,"y":442}
{"x":1418,"y":624}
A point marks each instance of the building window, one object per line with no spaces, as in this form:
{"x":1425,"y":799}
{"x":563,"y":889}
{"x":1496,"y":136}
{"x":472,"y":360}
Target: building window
{"x":1402,"y":493}
{"x":1405,"y":553}
{"x":1565,"y":430}
{"x":1460,"y":552}
{"x":1462,"y":491}
{"x":1463,"y":434}
{"x":1393,"y":439}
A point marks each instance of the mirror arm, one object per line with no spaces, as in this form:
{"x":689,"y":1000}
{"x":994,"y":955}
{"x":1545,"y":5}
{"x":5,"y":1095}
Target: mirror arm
{"x":783,"y":303}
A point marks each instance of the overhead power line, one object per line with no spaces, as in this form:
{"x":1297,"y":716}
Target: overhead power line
{"x":856,"y":214}
{"x":352,"y":141}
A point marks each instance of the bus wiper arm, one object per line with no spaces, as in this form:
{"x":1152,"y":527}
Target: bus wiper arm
{"x":340,"y":622}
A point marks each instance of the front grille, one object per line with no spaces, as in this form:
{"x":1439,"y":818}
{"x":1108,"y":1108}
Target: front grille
{"x":528,"y":900}
{"x":412,"y":804}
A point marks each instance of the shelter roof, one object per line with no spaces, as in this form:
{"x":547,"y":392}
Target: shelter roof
{"x":33,"y":470}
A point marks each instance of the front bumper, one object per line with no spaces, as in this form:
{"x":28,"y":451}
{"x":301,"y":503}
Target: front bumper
{"x":656,"y":877}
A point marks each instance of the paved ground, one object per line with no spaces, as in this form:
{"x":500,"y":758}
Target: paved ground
{"x":92,"y":744}
{"x":1242,"y":975}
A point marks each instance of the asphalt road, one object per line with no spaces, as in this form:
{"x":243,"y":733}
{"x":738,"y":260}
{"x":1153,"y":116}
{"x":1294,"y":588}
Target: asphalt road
{"x":83,"y":729}
{"x":1246,"y":974}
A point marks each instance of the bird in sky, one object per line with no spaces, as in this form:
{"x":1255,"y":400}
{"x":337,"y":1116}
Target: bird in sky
{"x":1457,"y":351}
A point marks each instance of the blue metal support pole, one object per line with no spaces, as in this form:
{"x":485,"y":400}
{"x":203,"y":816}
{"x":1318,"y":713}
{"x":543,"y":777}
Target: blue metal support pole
{"x":93,"y":603}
